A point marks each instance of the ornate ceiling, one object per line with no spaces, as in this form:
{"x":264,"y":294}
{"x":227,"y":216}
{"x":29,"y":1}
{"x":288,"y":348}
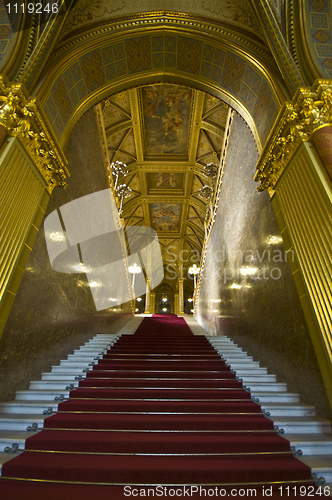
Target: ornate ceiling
{"x":236,"y":13}
{"x":165,"y":134}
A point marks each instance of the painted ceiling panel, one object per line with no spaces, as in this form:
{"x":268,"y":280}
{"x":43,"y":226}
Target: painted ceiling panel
{"x":166,"y":217}
{"x":167,"y":110}
{"x":168,"y":134}
{"x":204,"y":145}
{"x":121,"y":99}
{"x":165,"y":181}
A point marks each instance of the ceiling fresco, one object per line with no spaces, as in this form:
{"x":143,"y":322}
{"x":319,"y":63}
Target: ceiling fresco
{"x":167,"y":111}
{"x":162,"y":181}
{"x":165,"y":134}
{"x":165,"y":217}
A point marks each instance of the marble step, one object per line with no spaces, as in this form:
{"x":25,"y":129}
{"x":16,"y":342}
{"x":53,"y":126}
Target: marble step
{"x":97,"y":342}
{"x":289,"y":410}
{"x":303,"y":425}
{"x":77,"y":363}
{"x":320,"y":465}
{"x":266,"y":378}
{"x":20,"y":422}
{"x":8,"y":438}
{"x":69,"y":369}
{"x":311,"y":444}
{"x":49,"y":395}
{"x":237,"y":366}
{"x":275,"y":397}
{"x":85,"y":354}
{"x":28,"y":406}
{"x":84,"y":358}
{"x":268,"y":387}
{"x":4,"y":457}
{"x":62,"y":384}
{"x":51,"y":384}
{"x":235,"y":357}
{"x":242,"y":372}
{"x":62,"y":375}
{"x":40,"y":395}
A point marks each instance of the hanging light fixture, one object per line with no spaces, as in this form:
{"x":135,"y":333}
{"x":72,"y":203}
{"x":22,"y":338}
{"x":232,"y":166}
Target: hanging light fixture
{"x":123,"y":191}
{"x":117,"y":168}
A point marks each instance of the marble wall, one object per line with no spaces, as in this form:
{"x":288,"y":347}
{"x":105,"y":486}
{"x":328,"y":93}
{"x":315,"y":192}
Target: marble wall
{"x":54,"y":313}
{"x":247,"y":290}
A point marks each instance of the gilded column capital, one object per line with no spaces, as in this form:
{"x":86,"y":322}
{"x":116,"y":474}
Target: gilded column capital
{"x":310,"y":109}
{"x":21,"y":116}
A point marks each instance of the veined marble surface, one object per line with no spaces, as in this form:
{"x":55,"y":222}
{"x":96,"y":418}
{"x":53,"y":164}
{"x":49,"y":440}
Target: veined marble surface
{"x":54,"y":313}
{"x":247,"y":291}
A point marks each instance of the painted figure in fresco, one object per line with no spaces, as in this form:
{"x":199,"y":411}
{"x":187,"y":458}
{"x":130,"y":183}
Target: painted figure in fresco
{"x":167,"y":112}
{"x":165,"y":217}
{"x":166,"y":179}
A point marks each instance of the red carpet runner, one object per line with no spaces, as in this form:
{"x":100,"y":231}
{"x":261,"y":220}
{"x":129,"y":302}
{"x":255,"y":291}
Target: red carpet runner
{"x":160,"y":408}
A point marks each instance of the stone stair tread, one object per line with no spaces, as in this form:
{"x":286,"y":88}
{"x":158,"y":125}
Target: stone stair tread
{"x":25,"y":402}
{"x":289,"y":405}
{"x":304,"y":419}
{"x":16,"y":436}
{"x":307,"y":438}
{"x":5,"y":457}
{"x":318,"y":461}
{"x":32,"y":417}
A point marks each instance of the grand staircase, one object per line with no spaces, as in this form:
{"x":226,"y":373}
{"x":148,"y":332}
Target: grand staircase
{"x":160,"y":404}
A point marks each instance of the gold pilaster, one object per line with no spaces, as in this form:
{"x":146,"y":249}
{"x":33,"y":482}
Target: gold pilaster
{"x":148,"y":297}
{"x":31,"y":165}
{"x":298,"y":178}
{"x":176,"y":303}
{"x":181,"y":297}
{"x":153,"y":303}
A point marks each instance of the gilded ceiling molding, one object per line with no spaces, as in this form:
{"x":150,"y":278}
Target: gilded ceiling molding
{"x":167,"y":18}
{"x":298,"y":120}
{"x":35,"y":62}
{"x":217,"y":66}
{"x":277,"y":44}
{"x":18,"y":47}
{"x":309,"y":33}
{"x":22,"y":117}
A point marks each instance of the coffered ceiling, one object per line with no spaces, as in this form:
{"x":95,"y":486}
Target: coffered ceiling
{"x":165,"y":134}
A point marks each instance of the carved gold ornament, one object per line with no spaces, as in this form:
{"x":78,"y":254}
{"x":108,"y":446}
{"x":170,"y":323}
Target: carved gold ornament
{"x":310,"y":109}
{"x":22,"y":117}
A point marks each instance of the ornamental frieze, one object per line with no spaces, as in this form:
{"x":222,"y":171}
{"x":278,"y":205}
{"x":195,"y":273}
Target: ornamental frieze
{"x":22,"y":117}
{"x":310,"y":110}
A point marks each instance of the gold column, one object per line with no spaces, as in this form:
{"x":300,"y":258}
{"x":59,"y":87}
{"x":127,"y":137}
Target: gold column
{"x":153,"y":303}
{"x":147,"y":297}
{"x":181,"y":299}
{"x":297,"y":176}
{"x":176,"y":303}
{"x":31,"y":165}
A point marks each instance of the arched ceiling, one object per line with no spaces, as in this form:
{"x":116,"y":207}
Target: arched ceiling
{"x":236,"y":13}
{"x":165,"y":134}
